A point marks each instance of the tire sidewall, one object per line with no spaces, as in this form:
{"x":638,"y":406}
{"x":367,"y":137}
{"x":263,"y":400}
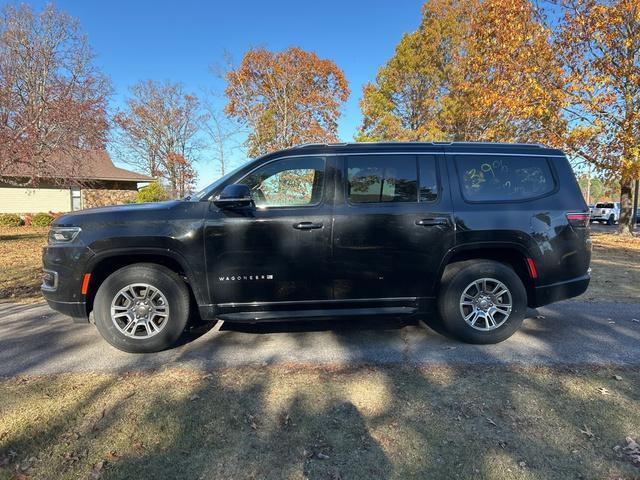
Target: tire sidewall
{"x":170,"y":284}
{"x":449,"y":301}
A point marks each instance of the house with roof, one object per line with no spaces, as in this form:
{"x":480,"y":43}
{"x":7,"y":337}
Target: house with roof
{"x":92,"y":182}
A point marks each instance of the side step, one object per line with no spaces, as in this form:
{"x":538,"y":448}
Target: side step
{"x":278,"y":315}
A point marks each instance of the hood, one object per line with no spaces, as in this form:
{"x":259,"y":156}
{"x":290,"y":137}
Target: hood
{"x":130,"y":209}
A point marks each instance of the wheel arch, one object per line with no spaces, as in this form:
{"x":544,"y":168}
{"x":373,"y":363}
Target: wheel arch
{"x":105,"y":263}
{"x":511,"y":254}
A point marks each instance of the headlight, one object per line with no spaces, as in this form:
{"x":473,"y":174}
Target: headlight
{"x":63,"y":234}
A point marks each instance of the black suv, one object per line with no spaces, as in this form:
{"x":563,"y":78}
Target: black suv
{"x":469,"y":233}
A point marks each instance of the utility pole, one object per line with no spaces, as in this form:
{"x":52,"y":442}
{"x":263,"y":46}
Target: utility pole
{"x":588,"y":184}
{"x":635,"y":206}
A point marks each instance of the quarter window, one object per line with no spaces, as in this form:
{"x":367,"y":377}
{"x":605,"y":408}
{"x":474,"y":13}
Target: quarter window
{"x":290,"y":182}
{"x":382,"y":178}
{"x":498,"y":178}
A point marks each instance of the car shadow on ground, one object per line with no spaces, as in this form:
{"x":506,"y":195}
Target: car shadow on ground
{"x":329,"y":324}
{"x":343,"y":324}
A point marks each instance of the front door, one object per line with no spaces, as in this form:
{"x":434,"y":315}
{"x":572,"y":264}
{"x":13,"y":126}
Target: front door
{"x":278,"y":253}
{"x":392,"y":227}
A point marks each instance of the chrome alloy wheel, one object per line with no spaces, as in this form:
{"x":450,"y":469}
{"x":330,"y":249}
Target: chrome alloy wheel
{"x":486,"y":304}
{"x":139,"y":310}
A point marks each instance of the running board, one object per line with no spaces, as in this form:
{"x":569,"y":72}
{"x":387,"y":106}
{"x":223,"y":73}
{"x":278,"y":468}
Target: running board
{"x":275,"y":316}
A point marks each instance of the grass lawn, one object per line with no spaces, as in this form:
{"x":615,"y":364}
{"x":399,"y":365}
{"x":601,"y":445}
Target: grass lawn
{"x":615,"y":264}
{"x":21,"y":260}
{"x":297,"y":423}
{"x":615,"y":269}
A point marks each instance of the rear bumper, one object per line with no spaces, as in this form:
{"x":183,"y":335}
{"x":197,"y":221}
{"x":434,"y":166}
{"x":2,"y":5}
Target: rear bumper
{"x":545,"y":294}
{"x":76,"y":310}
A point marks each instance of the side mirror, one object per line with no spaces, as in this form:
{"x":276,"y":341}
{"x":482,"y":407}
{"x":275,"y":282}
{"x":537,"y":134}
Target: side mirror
{"x":234,"y":196}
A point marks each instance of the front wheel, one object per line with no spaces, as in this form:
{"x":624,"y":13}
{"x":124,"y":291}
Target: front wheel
{"x":481,"y":301}
{"x":142,"y":308}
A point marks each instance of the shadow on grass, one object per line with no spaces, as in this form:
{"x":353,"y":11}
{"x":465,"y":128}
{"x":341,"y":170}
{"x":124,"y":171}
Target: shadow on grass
{"x":446,"y":421}
{"x":319,"y":423}
{"x":7,"y":237}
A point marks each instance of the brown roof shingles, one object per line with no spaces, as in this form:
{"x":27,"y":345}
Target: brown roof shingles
{"x":91,"y":165}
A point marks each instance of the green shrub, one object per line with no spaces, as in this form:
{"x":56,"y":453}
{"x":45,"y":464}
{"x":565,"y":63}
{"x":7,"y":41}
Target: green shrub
{"x":154,"y":192}
{"x":10,"y":220}
{"x":41,"y":219}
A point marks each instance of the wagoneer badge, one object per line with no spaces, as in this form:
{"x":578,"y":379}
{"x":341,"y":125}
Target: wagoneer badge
{"x":237,"y":278}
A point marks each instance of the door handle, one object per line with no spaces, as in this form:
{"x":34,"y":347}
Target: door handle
{"x":432,"y":221}
{"x":307,"y":225}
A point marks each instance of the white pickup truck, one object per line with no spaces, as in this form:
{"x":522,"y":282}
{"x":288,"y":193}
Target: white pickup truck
{"x":608,"y":212}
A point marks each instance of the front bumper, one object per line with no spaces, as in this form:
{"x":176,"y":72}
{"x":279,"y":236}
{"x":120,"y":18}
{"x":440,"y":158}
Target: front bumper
{"x":75,"y":310}
{"x":546,"y":294}
{"x":68,"y":264}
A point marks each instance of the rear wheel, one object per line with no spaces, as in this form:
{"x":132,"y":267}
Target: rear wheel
{"x":142,"y":308}
{"x":481,"y":301}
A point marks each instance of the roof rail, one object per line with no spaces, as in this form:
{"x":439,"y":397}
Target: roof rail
{"x":303,"y":145}
{"x":447,"y":143}
{"x":506,"y":144}
{"x":325,"y":144}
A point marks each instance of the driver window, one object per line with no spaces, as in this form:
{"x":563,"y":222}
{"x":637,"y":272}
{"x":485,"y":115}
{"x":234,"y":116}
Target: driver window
{"x":291,"y":182}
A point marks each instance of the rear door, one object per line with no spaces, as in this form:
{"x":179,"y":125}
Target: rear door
{"x":393,"y":225}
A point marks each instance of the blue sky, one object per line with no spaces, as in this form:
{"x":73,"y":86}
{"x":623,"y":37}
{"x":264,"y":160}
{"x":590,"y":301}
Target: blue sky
{"x":179,"y":40}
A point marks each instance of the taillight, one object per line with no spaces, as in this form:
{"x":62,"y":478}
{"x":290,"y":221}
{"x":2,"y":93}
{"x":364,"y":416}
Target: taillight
{"x":533,"y":273}
{"x":578,"y":219}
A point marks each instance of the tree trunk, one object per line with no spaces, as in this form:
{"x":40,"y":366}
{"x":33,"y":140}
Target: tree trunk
{"x":626,"y":207}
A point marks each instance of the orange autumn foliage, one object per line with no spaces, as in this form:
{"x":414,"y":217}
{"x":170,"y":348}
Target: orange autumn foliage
{"x":285,"y":98}
{"x":473,"y":70}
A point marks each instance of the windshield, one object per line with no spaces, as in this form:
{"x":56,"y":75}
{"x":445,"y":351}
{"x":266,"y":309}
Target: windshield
{"x":206,"y":191}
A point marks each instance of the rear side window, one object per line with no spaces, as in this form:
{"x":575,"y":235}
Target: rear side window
{"x":392,"y":178}
{"x":485,"y":178}
{"x":382,"y":178}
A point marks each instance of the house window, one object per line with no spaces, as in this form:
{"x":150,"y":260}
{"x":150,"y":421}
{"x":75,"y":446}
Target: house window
{"x":76,"y":199}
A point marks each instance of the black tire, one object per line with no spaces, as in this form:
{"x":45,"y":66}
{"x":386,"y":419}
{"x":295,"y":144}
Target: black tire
{"x":457,"y":277}
{"x":611,"y":220}
{"x":166,"y":281}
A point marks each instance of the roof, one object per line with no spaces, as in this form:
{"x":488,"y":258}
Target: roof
{"x":90,"y":165}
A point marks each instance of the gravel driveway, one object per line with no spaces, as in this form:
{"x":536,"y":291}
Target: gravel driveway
{"x":35,"y":340}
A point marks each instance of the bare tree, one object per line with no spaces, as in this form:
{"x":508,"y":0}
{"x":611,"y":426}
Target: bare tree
{"x":158,"y":132}
{"x":53,"y":99}
{"x":222,"y":133}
